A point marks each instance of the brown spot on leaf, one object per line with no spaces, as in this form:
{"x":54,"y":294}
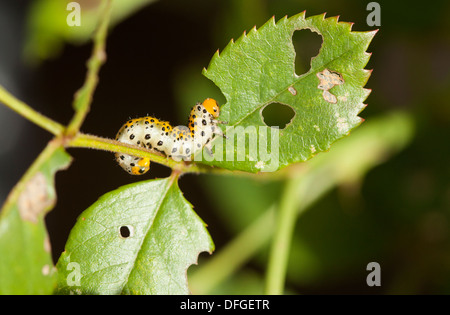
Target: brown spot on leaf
{"x":292,"y":90}
{"x":330,"y":98}
{"x":328,"y":79}
{"x":34,"y":199}
{"x":46,"y":270}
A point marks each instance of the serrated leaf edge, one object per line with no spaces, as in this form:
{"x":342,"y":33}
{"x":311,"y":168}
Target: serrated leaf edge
{"x":285,"y":19}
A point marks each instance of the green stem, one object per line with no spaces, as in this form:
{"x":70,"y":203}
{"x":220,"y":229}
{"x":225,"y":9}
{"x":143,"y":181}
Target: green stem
{"x":83,"y":97}
{"x":308,"y":186}
{"x":234,"y":255}
{"x":82,"y":140}
{"x":284,"y":229}
{"x":26,"y":111}
{"x":300,"y":192}
{"x":93,"y":142}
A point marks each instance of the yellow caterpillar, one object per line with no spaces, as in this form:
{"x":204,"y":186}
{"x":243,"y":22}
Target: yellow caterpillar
{"x":178,"y":143}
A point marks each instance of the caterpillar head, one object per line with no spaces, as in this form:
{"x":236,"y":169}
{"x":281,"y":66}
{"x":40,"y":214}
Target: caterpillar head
{"x":212,"y":107}
{"x":142,"y":167}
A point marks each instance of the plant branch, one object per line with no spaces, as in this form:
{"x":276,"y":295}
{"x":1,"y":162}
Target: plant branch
{"x":82,"y":140}
{"x":83,"y":97}
{"x":281,"y":244}
{"x":242,"y":248}
{"x":234,"y":255}
{"x":29,"y":113}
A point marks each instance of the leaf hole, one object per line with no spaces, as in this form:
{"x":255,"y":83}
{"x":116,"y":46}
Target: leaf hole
{"x":126,"y":231}
{"x":277,"y":114}
{"x":307,"y":45}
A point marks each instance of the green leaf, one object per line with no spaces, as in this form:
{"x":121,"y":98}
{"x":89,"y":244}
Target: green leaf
{"x":26,"y":265}
{"x":138,"y":239}
{"x":259,"y":69}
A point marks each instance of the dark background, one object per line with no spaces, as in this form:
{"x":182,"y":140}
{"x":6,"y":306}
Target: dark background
{"x":151,"y":56}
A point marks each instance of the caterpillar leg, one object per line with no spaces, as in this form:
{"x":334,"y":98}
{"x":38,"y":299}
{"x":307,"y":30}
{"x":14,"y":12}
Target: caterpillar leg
{"x":216,"y":130}
{"x":219,"y":132}
{"x":221,"y":122}
{"x":208,"y":148}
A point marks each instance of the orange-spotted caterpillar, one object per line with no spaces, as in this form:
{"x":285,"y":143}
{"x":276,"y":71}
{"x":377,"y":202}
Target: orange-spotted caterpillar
{"x":178,"y":143}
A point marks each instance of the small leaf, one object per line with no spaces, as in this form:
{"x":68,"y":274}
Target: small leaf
{"x":258,"y":70}
{"x":26,"y":265}
{"x":138,"y":239}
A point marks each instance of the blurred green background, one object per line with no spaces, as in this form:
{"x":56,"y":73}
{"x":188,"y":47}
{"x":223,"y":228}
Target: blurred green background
{"x":397,"y":214}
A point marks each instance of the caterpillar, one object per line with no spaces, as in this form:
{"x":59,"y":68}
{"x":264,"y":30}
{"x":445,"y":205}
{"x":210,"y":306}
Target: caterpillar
{"x":180,"y":142}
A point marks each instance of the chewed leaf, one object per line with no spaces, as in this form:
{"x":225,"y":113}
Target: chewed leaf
{"x":138,"y":239}
{"x":259,"y":69}
{"x":22,"y":228}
